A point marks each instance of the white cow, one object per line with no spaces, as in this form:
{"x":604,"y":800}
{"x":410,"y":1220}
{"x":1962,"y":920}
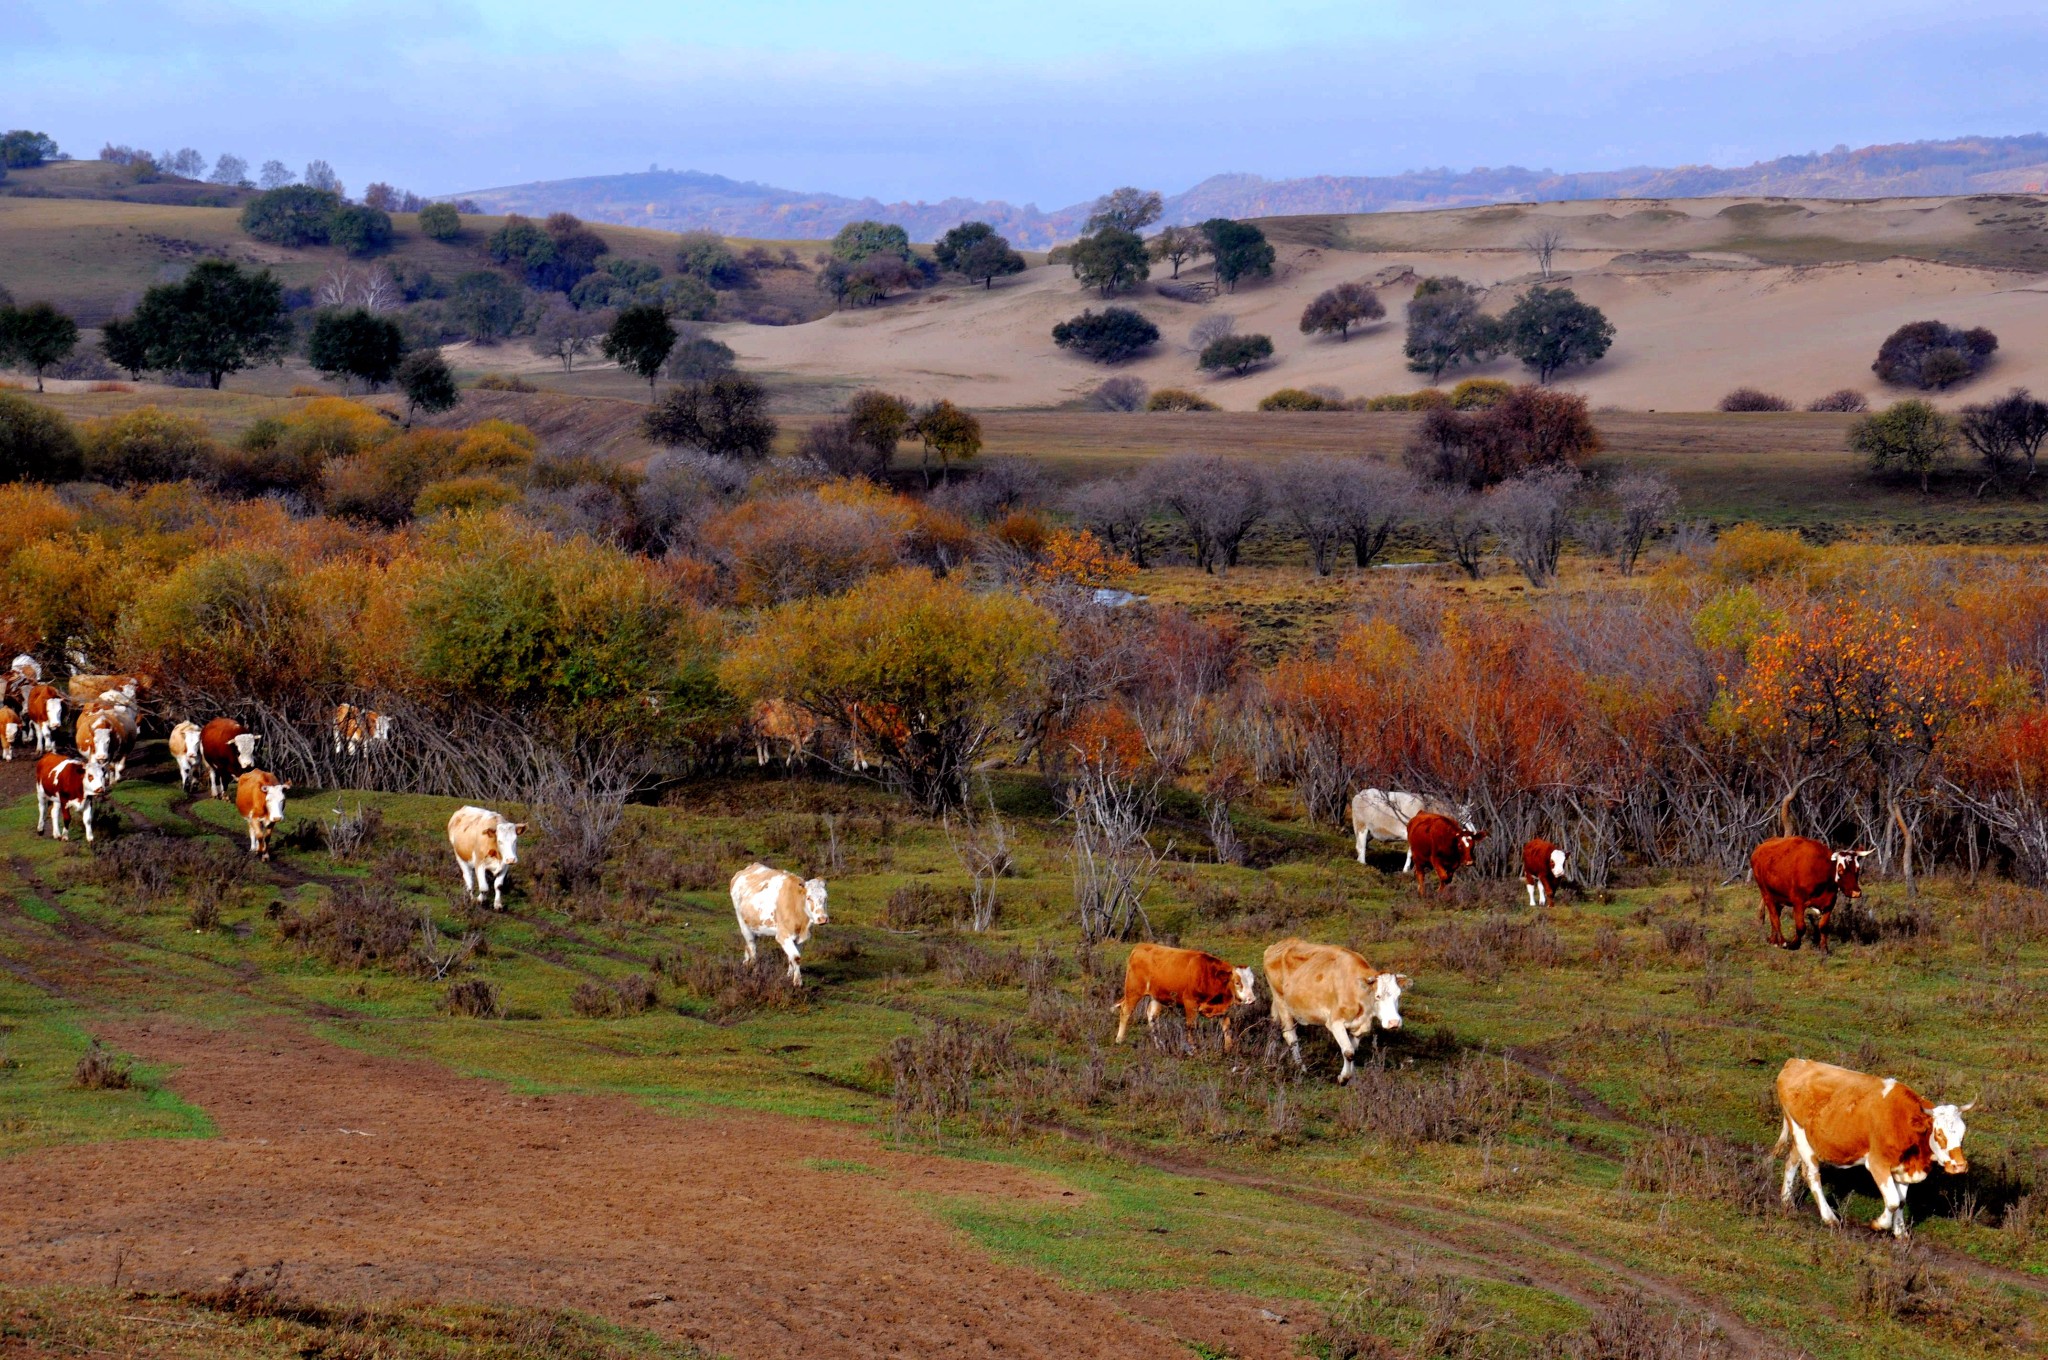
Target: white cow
{"x":486,"y":843}
{"x":770,"y":902}
{"x":1377,"y":815}
{"x":184,"y":744}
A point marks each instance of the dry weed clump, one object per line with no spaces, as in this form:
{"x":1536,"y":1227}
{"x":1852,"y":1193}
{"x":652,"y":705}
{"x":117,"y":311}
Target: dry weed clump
{"x":629,"y":995}
{"x":99,"y":1070}
{"x":474,"y":997}
{"x":730,"y":989}
{"x":358,"y":926}
{"x":2009,"y":918}
{"x":1476,"y":1096}
{"x":150,"y":865}
{"x":1491,"y":947}
{"x":347,"y":833}
{"x":1629,"y":1329}
{"x":1402,"y":1310}
{"x":922,"y":906}
{"x":1673,"y":1162}
{"x":933,"y":1073}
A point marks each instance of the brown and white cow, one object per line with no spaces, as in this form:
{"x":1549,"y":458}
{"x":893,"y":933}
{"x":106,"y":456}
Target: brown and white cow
{"x":12,"y":730}
{"x":769,"y":902}
{"x":228,"y":749}
{"x":1331,"y":986}
{"x":358,"y":729}
{"x":259,"y":797}
{"x":1841,"y":1118}
{"x":106,"y":733}
{"x":84,"y":689}
{"x":45,"y":711}
{"x":779,"y":722}
{"x":486,"y":844}
{"x":1543,"y":868}
{"x":1440,"y":845}
{"x":184,"y":746}
{"x":1804,"y":877}
{"x":66,"y":784}
{"x":1199,"y":983}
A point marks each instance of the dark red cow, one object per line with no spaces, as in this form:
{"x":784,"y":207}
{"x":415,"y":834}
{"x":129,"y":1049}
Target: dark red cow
{"x":1804,"y":877}
{"x":1543,"y":866}
{"x":64,"y":785}
{"x":228,"y":751}
{"x":1441,"y":844}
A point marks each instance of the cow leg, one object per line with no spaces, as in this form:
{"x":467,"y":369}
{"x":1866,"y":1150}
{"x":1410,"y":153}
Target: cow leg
{"x":85,"y":815}
{"x":1190,"y":1013}
{"x":42,"y":804}
{"x":1227,"y":1043}
{"x":1284,"y":1018}
{"x":468,"y":884}
{"x":1407,"y":858}
{"x":1123,"y":1016}
{"x":1347,"y":1044}
{"x":1529,"y":887}
{"x":497,"y":886}
{"x":747,"y":938}
{"x":1768,"y":910}
{"x":1803,"y":1150}
{"x":1791,"y":1185}
{"x":1362,"y":838}
{"x":796,"y":974}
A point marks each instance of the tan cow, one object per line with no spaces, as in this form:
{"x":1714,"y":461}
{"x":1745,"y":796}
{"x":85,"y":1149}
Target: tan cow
{"x":184,"y":744}
{"x":1332,"y":986}
{"x":259,"y":797}
{"x":789,"y":725}
{"x":486,"y":843}
{"x":770,"y":902}
{"x":12,"y":729}
{"x":45,"y":711}
{"x":83,"y":689}
{"x":1841,"y":1117}
{"x":357,"y":729}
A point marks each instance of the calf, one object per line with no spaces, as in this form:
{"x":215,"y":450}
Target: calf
{"x":1440,"y":845}
{"x":1839,"y":1117}
{"x":770,"y":902}
{"x":45,"y":709}
{"x":1543,"y":868}
{"x":259,"y":797}
{"x":227,"y":749}
{"x":357,"y":729}
{"x":1805,"y":877}
{"x":486,"y":844}
{"x":1200,"y":984}
{"x":184,"y":746}
{"x":65,"y":784}
{"x":1332,"y":986}
{"x":11,"y":729}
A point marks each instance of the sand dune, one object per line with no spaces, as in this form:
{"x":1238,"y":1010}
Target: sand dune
{"x":1706,"y":295}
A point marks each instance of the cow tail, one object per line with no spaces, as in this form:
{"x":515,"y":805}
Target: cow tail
{"x":1784,"y":1135}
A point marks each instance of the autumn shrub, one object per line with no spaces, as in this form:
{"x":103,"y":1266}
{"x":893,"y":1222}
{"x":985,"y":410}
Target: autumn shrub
{"x":359,"y":925}
{"x":1476,"y":394}
{"x":474,"y":997}
{"x":290,"y":452}
{"x":230,"y":620}
{"x":1297,"y":399}
{"x":476,"y":494}
{"x":147,"y":445}
{"x":1752,"y":399}
{"x":36,"y":443}
{"x":785,"y":548}
{"x":1750,"y":552}
{"x":1024,"y":531}
{"x":100,"y":1070}
{"x":1841,"y":399}
{"x":1428,"y":399}
{"x":1178,"y":399}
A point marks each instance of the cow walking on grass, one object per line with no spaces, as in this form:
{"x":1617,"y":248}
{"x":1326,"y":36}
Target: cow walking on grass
{"x":45,"y":709}
{"x":1837,"y":1117}
{"x":184,"y":748}
{"x":769,"y":902}
{"x":1199,"y":983}
{"x":1440,"y":845}
{"x":228,"y":750}
{"x":486,"y":844}
{"x":64,"y":785}
{"x":1803,"y":877}
{"x":259,"y":797}
{"x":1543,"y":868}
{"x":1334,"y":987}
{"x":12,"y":728}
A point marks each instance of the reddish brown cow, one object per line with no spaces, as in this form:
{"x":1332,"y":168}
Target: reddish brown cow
{"x":1200,"y":984}
{"x":1841,"y":1117}
{"x":1542,"y":868}
{"x":66,"y":784}
{"x":228,"y":750}
{"x":259,"y":797}
{"x":1805,"y":877}
{"x":1438,"y":843}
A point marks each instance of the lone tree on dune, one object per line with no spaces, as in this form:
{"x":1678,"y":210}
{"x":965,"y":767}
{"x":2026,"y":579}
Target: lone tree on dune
{"x":356,"y":345}
{"x":428,"y":384}
{"x":727,"y":417}
{"x":1109,"y":336}
{"x":1238,"y":353}
{"x":1240,"y":250}
{"x":1542,"y":245}
{"x":1125,"y":209}
{"x":217,"y":320}
{"x":1446,"y":328}
{"x":1339,"y":309}
{"x":36,"y":337}
{"x":1111,"y":261}
{"x":1933,"y":356}
{"x":1176,"y":245}
{"x":1549,"y":329}
{"x":639,"y":341}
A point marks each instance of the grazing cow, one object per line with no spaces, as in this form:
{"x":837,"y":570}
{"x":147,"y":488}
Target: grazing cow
{"x":1543,"y":868}
{"x":1329,"y":985}
{"x":789,"y":725}
{"x":486,"y":844}
{"x":227,"y":748}
{"x":45,"y":709}
{"x":259,"y":797}
{"x":770,"y":902}
{"x":1200,"y":984}
{"x":1839,"y":1117}
{"x":1439,"y":844}
{"x":1805,"y":877}
{"x":184,"y":744}
{"x":11,"y":729}
{"x":65,"y":784}
{"x":106,"y":733}
{"x":357,"y":729}
{"x":1377,"y":815}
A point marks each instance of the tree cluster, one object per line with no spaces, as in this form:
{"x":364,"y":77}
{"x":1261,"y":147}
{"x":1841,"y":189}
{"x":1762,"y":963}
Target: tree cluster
{"x":1933,"y":356}
{"x":1529,"y":428}
{"x":1108,"y":337}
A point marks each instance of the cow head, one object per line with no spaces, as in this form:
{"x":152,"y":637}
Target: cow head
{"x":814,"y":902}
{"x":1386,"y":998}
{"x":273,"y":799}
{"x":380,"y":726}
{"x":102,"y":740}
{"x":507,"y":835}
{"x":1848,"y":868}
{"x":1557,"y":864}
{"x":1945,"y":1139}
{"x":96,"y":781}
{"x":1467,"y":838}
{"x":245,"y":749}
{"x":1244,"y":985}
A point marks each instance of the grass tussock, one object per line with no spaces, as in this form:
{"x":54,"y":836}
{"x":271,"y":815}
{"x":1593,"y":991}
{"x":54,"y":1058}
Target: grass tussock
{"x":1475,"y":1097}
{"x":149,"y":866}
{"x":1489,"y":948}
{"x":360,"y":925}
{"x":100,"y":1070}
{"x":1674,"y":1162}
{"x":728,"y":989}
{"x":934,"y":1074}
{"x":614,"y":1000}
{"x":473,"y":997}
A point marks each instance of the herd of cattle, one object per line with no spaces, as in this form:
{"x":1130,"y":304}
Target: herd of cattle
{"x":1831,"y":1115}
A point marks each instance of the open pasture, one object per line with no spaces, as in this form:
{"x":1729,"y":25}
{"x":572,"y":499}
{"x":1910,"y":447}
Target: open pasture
{"x":1571,"y":1127}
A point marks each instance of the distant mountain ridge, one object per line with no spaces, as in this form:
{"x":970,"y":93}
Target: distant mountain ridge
{"x":683,"y":200}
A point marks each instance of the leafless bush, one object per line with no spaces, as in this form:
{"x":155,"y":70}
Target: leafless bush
{"x":629,"y":995}
{"x":474,"y":997}
{"x":578,"y":803}
{"x":1530,"y":515}
{"x":436,"y":954}
{"x":969,"y":965}
{"x":1210,"y":329}
{"x":359,"y":925}
{"x":2009,"y":918}
{"x":1476,"y":1096}
{"x":1753,"y":399}
{"x":151,"y":865}
{"x":99,"y":1070}
{"x":933,"y":1072}
{"x":1397,"y":1296}
{"x":1673,"y":1162}
{"x":1644,"y":500}
{"x":1120,"y":394}
{"x":1217,"y":500}
{"x":1490,"y":947}
{"x":994,"y":489}
{"x":730,"y":989}
{"x":1116,"y":510}
{"x":1900,"y":1285}
{"x":1841,"y":399}
{"x":983,"y":848}
{"x":346,"y":833}
{"x":203,"y":914}
{"x":923,"y":906}
{"x":1113,"y":862}
{"x":1629,"y":1330}
{"x":1684,"y":936}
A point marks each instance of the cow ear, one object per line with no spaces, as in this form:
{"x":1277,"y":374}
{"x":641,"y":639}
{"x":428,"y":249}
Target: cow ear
{"x":519,"y":828}
{"x":285,"y":784}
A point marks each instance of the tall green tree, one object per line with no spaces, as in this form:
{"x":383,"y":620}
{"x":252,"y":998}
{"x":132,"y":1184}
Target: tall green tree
{"x":1909,"y":437}
{"x":978,"y":251}
{"x":1110,"y":261}
{"x":124,"y":347}
{"x":858,"y":240}
{"x":639,"y":341}
{"x":1549,"y":329}
{"x":1126,"y":209}
{"x":948,"y":431}
{"x":215,"y":321}
{"x":294,"y":215}
{"x":1446,"y":327}
{"x":441,"y":221}
{"x":356,"y":345}
{"x":35,"y":337}
{"x":487,"y":305}
{"x":428,"y":384}
{"x":1339,"y":309}
{"x":24,"y":150}
{"x":1240,"y":250}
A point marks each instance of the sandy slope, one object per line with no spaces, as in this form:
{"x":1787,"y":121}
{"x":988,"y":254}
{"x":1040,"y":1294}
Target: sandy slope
{"x":1707,"y":312}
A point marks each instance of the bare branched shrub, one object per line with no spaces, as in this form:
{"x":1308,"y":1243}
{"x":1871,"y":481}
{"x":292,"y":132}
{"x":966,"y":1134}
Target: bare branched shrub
{"x":629,"y":995}
{"x":100,"y":1070}
{"x":151,"y":865}
{"x":1530,"y":516}
{"x":359,"y":925}
{"x":203,"y":914}
{"x":1673,"y":1162}
{"x":1753,"y":399}
{"x":436,"y":955}
{"x":1628,"y":1329}
{"x":578,"y":802}
{"x":1477,"y":1096}
{"x":348,"y":833}
{"x":983,"y":848}
{"x":728,"y":989}
{"x":933,"y":1073}
{"x":1490,"y":947}
{"x":969,"y":965}
{"x":474,"y":997}
{"x":1846,"y":399}
{"x":1122,"y":393}
{"x":1402,"y":1310}
{"x":923,"y":906}
{"x":1113,"y":861}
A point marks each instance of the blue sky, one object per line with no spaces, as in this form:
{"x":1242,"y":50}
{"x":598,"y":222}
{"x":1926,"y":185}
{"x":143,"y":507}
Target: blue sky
{"x":1049,"y":102}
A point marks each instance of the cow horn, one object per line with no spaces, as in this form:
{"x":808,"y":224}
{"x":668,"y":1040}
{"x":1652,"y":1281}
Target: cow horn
{"x":1965,"y":1109}
{"x":1861,"y":853}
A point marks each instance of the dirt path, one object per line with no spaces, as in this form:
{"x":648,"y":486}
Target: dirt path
{"x":376,"y":1178}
